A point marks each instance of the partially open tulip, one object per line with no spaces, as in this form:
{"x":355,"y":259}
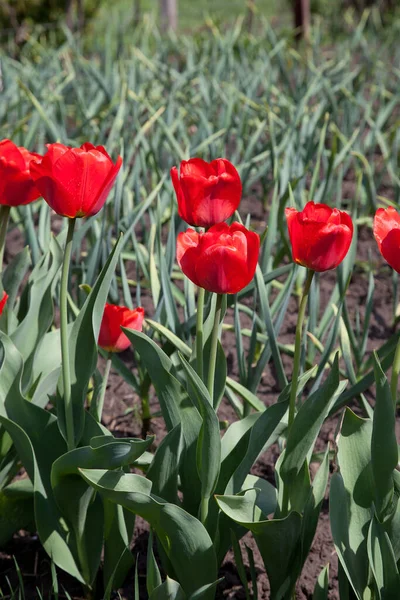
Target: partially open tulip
{"x":111,"y":337}
{"x":222,"y":260}
{"x":387,"y":235}
{"x":320,"y":235}
{"x":3,"y":302}
{"x":207,"y":193}
{"x":75,"y":182}
{"x":16,"y":184}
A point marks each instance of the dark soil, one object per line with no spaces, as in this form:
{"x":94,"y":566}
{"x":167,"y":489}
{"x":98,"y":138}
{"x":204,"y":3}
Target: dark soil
{"x":33,"y":561}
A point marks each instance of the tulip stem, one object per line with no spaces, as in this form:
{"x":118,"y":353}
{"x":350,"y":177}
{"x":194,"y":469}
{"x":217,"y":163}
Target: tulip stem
{"x":66,"y":374}
{"x":395,"y":374}
{"x":214,"y":348}
{"x":199,"y":332}
{"x":296,"y":372}
{"x":102,"y":394}
{"x":297,"y":347}
{"x":4,"y":217}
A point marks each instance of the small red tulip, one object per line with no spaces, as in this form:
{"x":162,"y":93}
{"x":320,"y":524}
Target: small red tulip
{"x":3,"y":302}
{"x":387,"y":235}
{"x":16,"y":184}
{"x":222,"y":260}
{"x":111,"y":337}
{"x":207,"y":193}
{"x":75,"y":182}
{"x":320,"y":235}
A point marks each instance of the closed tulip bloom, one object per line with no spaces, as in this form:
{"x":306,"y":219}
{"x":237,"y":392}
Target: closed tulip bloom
{"x":16,"y":184}
{"x":75,"y":182}
{"x":387,"y":235}
{"x":222,"y":260}
{"x":3,"y":302}
{"x":207,"y":193}
{"x":320,"y":235}
{"x":111,"y":336}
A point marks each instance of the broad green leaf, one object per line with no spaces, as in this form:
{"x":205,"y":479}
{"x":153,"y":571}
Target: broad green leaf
{"x":184,"y":539}
{"x":83,"y":344}
{"x":383,"y":561}
{"x":277,"y":539}
{"x":384,"y":449}
{"x":322,"y":586}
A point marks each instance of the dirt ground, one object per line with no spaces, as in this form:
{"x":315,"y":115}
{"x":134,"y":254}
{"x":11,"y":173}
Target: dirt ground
{"x":33,"y":561}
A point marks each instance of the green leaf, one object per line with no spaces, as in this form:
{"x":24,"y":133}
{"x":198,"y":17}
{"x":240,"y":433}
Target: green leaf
{"x":351,"y":497}
{"x":384,"y":450}
{"x":153,"y":577}
{"x":169,"y":590}
{"x":209,"y":442}
{"x":322,"y":586}
{"x":277,"y":539}
{"x":164,"y":469}
{"x":184,"y":539}
{"x":383,"y":562}
{"x":83,"y":351}
{"x":308,"y":422}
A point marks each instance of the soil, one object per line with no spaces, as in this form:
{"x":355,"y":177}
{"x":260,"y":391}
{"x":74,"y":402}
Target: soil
{"x":121,"y":417}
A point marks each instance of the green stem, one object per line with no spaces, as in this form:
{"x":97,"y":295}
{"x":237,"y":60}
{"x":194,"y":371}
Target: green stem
{"x":102,"y":395}
{"x":297,"y":348}
{"x":296,"y":372}
{"x":66,"y":374}
{"x":214,"y":348}
{"x":4,"y":217}
{"x":395,"y":374}
{"x":199,"y":332}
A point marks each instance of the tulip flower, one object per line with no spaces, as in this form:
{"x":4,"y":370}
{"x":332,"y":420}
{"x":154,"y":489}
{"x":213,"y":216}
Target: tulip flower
{"x":75,"y":182}
{"x":320,"y":236}
{"x":3,"y":302}
{"x":207,"y":193}
{"x":222,"y":260}
{"x":387,"y":235}
{"x":16,"y":184}
{"x":111,"y":337}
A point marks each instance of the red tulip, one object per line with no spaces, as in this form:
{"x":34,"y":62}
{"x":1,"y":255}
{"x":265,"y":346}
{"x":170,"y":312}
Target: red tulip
{"x":387,"y":235}
{"x":222,"y":260}
{"x":320,"y":236}
{"x":16,"y":184}
{"x":111,"y":337}
{"x":75,"y":182}
{"x":207,"y":193}
{"x":3,"y":302}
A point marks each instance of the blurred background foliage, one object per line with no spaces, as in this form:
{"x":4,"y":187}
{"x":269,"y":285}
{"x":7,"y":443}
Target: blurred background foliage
{"x":17,"y":16}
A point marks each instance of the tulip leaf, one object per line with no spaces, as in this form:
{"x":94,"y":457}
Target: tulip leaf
{"x":118,"y":530}
{"x":322,"y":586}
{"x":83,"y":344}
{"x":164,"y":469}
{"x":12,"y":279}
{"x":384,"y":450}
{"x":39,"y":315}
{"x":308,"y":422}
{"x":160,"y":367}
{"x":351,"y":498}
{"x":153,"y":577}
{"x":176,"y":408}
{"x":313,"y":505}
{"x":183,"y":538}
{"x":383,"y":562}
{"x":277,"y":539}
{"x":38,"y":442}
{"x":169,"y":590}
{"x":209,"y":442}
{"x":263,"y":434}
